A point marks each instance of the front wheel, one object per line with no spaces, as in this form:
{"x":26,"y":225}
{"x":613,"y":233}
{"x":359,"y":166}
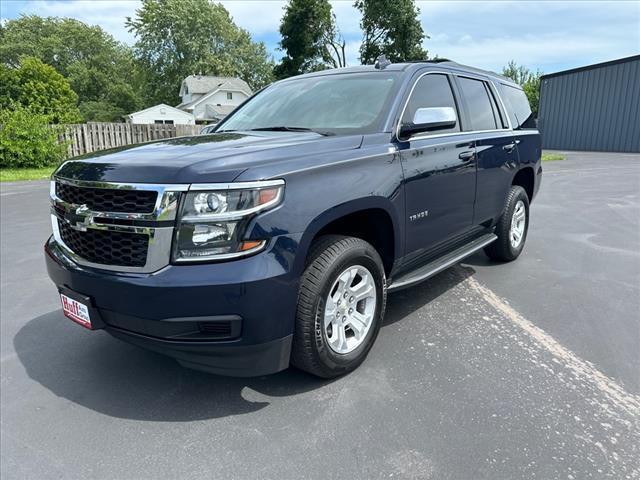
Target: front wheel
{"x":511,"y":228}
{"x":340,"y":306}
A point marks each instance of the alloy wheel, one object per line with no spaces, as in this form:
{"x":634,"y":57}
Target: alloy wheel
{"x":350,"y":309}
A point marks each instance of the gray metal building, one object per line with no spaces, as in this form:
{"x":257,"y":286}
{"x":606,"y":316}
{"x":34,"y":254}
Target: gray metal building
{"x":596,"y":107}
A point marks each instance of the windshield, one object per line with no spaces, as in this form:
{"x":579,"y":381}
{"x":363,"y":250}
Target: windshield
{"x":333,"y":104}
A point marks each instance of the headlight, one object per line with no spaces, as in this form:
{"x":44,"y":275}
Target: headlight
{"x":213,"y":219}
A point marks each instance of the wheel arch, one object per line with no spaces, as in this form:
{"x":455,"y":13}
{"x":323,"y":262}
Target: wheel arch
{"x":371,"y":218}
{"x":525,"y":178}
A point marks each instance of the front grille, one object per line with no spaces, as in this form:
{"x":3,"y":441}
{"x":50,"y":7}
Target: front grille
{"x":108,"y":199}
{"x":106,"y":247}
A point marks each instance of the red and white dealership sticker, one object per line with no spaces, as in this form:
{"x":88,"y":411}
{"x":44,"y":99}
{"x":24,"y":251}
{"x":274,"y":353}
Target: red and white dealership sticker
{"x":76,"y":311}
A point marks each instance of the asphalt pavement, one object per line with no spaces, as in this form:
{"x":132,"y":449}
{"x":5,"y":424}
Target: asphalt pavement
{"x":486,"y":371}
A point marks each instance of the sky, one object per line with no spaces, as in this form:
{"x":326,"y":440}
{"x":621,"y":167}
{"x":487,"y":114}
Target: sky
{"x":549,"y":36}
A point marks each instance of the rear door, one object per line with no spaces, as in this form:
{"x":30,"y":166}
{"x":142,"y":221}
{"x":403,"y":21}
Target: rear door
{"x":495,"y":145}
{"x":439,"y":171}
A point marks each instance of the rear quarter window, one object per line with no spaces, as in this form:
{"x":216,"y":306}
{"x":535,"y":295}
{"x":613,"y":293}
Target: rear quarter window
{"x":481,"y":110}
{"x":517,"y":107}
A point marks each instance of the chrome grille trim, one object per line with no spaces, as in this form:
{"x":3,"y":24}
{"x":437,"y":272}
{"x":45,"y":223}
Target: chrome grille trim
{"x":166,"y":203}
{"x":160,"y":237}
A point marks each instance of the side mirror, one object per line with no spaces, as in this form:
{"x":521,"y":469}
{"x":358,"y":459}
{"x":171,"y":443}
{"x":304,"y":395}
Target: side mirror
{"x":429,"y":119}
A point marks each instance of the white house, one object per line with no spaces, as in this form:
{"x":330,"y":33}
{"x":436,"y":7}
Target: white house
{"x":161,"y":114}
{"x":210,"y":99}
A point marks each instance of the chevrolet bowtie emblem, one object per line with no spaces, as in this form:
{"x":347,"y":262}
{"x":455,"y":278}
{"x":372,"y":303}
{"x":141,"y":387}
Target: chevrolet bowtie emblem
{"x":83,"y":219}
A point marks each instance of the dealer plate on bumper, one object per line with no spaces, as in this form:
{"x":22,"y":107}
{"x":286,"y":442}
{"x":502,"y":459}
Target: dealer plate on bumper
{"x":76,"y":311}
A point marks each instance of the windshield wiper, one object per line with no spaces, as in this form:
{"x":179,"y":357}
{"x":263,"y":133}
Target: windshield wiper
{"x":282,"y":128}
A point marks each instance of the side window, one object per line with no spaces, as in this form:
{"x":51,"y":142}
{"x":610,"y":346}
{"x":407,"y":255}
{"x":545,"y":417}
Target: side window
{"x":432,"y":90}
{"x":482,"y":112}
{"x":518,"y":106}
{"x":500,"y":111}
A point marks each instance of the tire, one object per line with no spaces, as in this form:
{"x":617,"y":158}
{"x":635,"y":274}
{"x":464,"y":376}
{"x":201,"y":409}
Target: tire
{"x":504,"y":249}
{"x":318,"y":348}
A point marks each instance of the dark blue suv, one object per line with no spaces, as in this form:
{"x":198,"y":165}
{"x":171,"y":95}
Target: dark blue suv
{"x":274,"y":239}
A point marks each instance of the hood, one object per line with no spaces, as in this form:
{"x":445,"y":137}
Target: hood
{"x":215,"y":158}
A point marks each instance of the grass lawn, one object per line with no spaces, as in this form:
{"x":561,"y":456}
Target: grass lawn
{"x":16,"y":174}
{"x":551,"y":157}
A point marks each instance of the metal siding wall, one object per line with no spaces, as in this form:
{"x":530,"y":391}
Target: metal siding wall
{"x":597,"y":109}
{"x":633,"y":136}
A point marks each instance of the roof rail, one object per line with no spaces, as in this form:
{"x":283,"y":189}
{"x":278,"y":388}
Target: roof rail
{"x":433,"y":60}
{"x":466,"y":67}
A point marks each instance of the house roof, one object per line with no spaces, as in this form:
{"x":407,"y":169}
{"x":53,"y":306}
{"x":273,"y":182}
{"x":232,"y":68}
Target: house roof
{"x":205,"y":84}
{"x":228,"y":86}
{"x":219,"y":111}
{"x":188,"y":105}
{"x":160,"y":105}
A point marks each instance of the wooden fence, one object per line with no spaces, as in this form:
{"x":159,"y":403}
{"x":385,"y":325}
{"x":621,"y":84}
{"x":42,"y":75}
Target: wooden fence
{"x":91,"y":137}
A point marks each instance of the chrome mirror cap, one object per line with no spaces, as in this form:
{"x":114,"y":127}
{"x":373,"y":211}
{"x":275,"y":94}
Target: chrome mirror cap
{"x":434,"y":115}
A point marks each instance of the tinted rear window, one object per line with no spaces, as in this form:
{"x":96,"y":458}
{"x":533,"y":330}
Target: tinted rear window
{"x":481,"y":111}
{"x":518,"y":107}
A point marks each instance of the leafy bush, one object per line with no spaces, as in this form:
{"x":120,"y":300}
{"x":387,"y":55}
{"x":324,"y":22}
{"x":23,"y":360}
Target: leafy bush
{"x":27,"y":140}
{"x":100,"y":111}
{"x":41,"y":89}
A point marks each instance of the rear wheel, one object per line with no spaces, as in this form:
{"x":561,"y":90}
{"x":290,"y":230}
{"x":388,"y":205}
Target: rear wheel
{"x":512,"y":227}
{"x":340,"y":306}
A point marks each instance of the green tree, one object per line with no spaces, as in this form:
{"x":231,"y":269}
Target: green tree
{"x":528,"y":80}
{"x":27,"y":139}
{"x":100,"y":70}
{"x":40,"y":89}
{"x":390,"y":28}
{"x":177,"y":38}
{"x":310,"y":38}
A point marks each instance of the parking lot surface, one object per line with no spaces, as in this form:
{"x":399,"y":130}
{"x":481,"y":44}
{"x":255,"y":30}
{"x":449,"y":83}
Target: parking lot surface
{"x":496,"y":371}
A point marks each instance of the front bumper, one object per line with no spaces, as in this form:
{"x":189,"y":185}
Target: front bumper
{"x":170,"y":311}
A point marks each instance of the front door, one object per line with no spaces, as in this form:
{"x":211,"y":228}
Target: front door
{"x":439,"y":172}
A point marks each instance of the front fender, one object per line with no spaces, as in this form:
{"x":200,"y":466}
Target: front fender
{"x":343,"y":210}
{"x":321,"y":191}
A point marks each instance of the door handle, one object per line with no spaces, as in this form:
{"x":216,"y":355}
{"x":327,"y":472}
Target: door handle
{"x":466,"y":156}
{"x":509,"y":147}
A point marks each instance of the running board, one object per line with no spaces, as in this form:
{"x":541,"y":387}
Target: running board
{"x":442,"y":263}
